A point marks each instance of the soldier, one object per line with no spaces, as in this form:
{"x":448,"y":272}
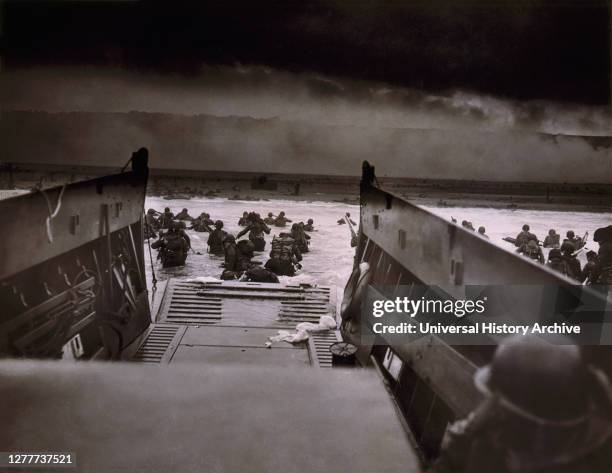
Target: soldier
{"x":281,"y":220}
{"x":207,"y":220}
{"x":603,"y":236}
{"x":557,"y":263}
{"x":259,"y":274}
{"x":467,"y":224}
{"x":575,"y":271}
{"x":180,"y":229}
{"x":552,"y":239}
{"x":574,"y":240}
{"x":151,"y":224}
{"x":591,"y":270}
{"x":244,"y":220}
{"x":269,"y":220}
{"x":151,"y":219}
{"x":256,"y":229}
{"x":300,"y":236}
{"x":348,"y":217}
{"x":284,"y":256}
{"x":173,"y":247}
{"x":532,"y":250}
{"x":215,"y":239}
{"x":483,"y":232}
{"x":184,"y":215}
{"x":524,"y":424}
{"x":246,"y":250}
{"x":309,"y":227}
{"x":202,"y":223}
{"x":230,"y":252}
{"x":165,"y":219}
{"x":524,"y":237}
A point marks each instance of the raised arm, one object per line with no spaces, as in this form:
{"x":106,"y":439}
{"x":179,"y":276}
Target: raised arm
{"x":243,"y":232}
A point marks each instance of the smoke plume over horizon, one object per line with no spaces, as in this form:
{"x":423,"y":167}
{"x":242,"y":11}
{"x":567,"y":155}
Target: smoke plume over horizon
{"x":261,"y":119}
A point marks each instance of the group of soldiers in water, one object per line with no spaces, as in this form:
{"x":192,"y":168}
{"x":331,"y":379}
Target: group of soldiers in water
{"x":562,"y":256}
{"x":482,"y":231}
{"x":285,"y":256}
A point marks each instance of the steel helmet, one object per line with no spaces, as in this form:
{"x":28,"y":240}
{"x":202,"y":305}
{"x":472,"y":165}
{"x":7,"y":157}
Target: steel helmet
{"x":603,"y":234}
{"x":537,"y":380}
{"x":554,"y":253}
{"x":549,"y":391}
{"x":219,"y":224}
{"x":567,"y":247}
{"x":570,"y":234}
{"x":526,"y":227}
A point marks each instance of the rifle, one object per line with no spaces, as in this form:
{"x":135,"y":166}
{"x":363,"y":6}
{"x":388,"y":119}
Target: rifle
{"x":354,"y":236}
{"x":583,"y":241}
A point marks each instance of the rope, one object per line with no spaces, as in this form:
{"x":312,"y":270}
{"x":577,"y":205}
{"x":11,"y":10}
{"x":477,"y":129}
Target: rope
{"x":52,"y":213}
{"x":126,"y":165}
{"x":154,"y":279}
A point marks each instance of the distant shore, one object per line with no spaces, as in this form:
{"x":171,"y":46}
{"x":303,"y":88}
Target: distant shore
{"x":181,"y":184}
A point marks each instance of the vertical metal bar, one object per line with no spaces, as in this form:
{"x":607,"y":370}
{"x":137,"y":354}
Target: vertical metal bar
{"x":137,"y":258}
{"x":106,"y":208}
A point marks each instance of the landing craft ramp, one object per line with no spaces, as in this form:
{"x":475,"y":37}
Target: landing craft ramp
{"x":230,"y":322}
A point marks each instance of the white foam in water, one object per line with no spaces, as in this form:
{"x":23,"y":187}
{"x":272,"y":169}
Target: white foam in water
{"x":330,"y":259}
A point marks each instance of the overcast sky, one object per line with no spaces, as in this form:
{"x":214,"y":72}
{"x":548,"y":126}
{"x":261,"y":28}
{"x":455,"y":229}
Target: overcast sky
{"x":523,"y":49}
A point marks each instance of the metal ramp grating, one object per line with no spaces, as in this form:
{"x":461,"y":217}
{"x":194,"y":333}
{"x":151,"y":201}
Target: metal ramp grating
{"x":159,"y":344}
{"x":307,"y":310}
{"x":318,"y":347}
{"x":183,"y":305}
{"x":228,"y":303}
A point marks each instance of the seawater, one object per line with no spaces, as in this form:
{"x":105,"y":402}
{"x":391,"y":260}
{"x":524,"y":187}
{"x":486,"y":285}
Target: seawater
{"x":330,"y":259}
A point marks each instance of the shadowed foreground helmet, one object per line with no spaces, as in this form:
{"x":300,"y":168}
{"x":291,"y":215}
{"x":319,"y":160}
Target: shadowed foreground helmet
{"x":591,"y":254}
{"x":554,"y":253}
{"x":538,"y":381}
{"x":229,"y":238}
{"x":603,"y":234}
{"x":167,"y":209}
{"x":570,"y":234}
